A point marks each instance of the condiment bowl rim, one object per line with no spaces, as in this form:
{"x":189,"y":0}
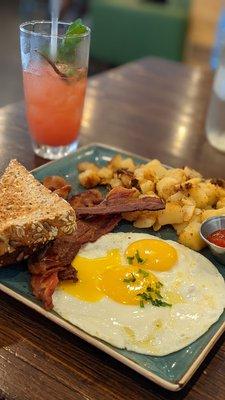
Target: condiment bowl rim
{"x":203,"y":236}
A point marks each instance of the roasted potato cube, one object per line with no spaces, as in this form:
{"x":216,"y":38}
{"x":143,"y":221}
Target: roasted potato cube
{"x":147,"y":186}
{"x":146,"y":219}
{"x":156,"y":169}
{"x":191,"y":173}
{"x":166,"y":187}
{"x":139,"y":174}
{"x":180,"y":227}
{"x":188,"y":212}
{"x":89,"y":178}
{"x":190,"y":236}
{"x":118,"y":162}
{"x":105,"y":174}
{"x":212,"y":213}
{"x":156,"y":226}
{"x":83,"y":166}
{"x":204,"y":194}
{"x":176,"y":197}
{"x":220,"y":203}
{"x":128,"y":164}
{"x":176,"y":173}
{"x":115,"y":162}
{"x":131,"y":216}
{"x":114,"y":182}
{"x":173,"y":214}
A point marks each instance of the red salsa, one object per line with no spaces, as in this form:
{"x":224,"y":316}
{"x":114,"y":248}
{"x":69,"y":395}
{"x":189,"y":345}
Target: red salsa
{"x":217,"y":237}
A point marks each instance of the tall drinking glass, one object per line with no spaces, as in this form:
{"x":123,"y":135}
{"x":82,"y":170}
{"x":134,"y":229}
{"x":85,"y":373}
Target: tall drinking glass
{"x":54,"y":85}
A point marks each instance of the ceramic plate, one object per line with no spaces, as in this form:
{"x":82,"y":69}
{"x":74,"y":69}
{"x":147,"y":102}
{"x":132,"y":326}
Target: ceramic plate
{"x":172,"y":371}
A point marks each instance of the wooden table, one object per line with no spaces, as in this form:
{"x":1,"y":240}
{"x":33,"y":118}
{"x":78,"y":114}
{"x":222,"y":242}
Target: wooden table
{"x":152,"y":107}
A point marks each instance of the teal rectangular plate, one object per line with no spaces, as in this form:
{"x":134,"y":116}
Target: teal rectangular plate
{"x":172,"y":371}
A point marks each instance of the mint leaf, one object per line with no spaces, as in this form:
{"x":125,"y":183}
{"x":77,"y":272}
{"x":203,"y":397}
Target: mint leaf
{"x":67,"y":50}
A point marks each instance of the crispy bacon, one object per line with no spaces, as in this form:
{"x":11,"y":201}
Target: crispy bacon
{"x":121,"y":200}
{"x":58,"y":185}
{"x":88,"y":198}
{"x":43,"y":288}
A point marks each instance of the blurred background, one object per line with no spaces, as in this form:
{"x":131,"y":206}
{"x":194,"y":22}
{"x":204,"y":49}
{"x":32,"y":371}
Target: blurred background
{"x":190,"y":31}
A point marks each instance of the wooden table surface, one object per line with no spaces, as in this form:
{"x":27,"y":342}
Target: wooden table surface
{"x":152,"y":107}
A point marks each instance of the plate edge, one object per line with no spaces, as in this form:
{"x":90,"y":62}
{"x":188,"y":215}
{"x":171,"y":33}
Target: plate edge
{"x":95,"y":144}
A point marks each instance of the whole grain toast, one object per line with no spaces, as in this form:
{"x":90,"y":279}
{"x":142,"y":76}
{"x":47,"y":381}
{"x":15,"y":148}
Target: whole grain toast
{"x":30,"y":214}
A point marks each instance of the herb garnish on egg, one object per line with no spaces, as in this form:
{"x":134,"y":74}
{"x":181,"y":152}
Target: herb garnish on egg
{"x":138,"y":258}
{"x":130,"y":278}
{"x":153,"y":296}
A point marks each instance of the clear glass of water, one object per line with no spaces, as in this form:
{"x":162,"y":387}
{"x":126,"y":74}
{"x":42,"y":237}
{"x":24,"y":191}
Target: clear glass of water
{"x":215,"y":121}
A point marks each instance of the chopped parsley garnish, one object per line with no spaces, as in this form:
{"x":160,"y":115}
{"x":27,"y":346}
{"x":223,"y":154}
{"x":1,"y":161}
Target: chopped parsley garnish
{"x":130,"y":260}
{"x":130,"y":279}
{"x":143,"y":273}
{"x":136,"y":256}
{"x":142,"y":303}
{"x":153,"y":296}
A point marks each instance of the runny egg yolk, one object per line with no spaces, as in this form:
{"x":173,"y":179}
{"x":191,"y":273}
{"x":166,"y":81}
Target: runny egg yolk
{"x":106,"y":276}
{"x":125,"y":284}
{"x":89,"y":273}
{"x":151,"y":254}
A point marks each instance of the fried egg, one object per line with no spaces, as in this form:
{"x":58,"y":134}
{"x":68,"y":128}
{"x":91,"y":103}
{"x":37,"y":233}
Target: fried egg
{"x":142,"y":293}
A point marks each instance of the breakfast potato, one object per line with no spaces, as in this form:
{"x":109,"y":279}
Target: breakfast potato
{"x":157,"y":225}
{"x":176,"y":173}
{"x":156,"y":169}
{"x":212,"y":213}
{"x":188,"y":212}
{"x":105,"y":174}
{"x":89,"y":178}
{"x":146,"y":219}
{"x":147,"y":187}
{"x":180,"y":227}
{"x":173,"y":214}
{"x":83,"y":166}
{"x":191,"y":173}
{"x":114,"y":182}
{"x":189,"y":198}
{"x":118,"y":162}
{"x":190,"y":236}
{"x":220,"y":203}
{"x":176,"y":197}
{"x":199,"y":193}
{"x":166,"y":187}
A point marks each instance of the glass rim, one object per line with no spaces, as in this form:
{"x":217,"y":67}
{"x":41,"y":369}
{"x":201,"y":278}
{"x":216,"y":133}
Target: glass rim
{"x":33,"y":22}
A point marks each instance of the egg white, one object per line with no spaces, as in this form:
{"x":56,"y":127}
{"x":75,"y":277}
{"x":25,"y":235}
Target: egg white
{"x":151,"y":330}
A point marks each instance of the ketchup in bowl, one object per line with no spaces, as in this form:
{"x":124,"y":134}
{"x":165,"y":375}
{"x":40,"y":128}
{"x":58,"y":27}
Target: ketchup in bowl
{"x":217,"y":238}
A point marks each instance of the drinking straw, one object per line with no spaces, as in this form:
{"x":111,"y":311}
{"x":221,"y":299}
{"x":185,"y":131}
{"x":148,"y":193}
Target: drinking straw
{"x":55,"y":6}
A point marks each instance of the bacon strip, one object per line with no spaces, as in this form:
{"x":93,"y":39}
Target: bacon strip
{"x":43,"y":288}
{"x":121,"y":200}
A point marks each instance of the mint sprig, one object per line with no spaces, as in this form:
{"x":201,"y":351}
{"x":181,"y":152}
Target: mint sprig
{"x":67,"y":50}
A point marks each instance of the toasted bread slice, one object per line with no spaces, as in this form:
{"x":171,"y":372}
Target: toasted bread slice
{"x":30,"y":214}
